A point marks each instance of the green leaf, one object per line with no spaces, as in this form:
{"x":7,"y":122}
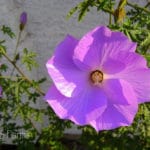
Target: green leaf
{"x":28,"y":59}
{"x":146,"y":42}
{"x":8,"y":31}
{"x":71,"y":12}
{"x":147,"y":56}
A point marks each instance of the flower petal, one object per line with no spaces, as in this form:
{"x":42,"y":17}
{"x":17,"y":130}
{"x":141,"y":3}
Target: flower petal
{"x":87,"y":106}
{"x":119,"y":92}
{"x":140,"y":81}
{"x":117,"y":113}
{"x":112,"y":66}
{"x":131,"y":60}
{"x":100,"y":43}
{"x":136,"y":73}
{"x":115,"y":116}
{"x":66,"y":76}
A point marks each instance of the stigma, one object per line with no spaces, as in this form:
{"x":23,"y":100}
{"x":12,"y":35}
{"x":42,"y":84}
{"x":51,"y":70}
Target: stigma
{"x":96,"y":77}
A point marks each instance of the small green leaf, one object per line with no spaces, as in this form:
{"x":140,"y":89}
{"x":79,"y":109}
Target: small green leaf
{"x":28,"y":59}
{"x":147,"y":56}
{"x":8,"y":31}
{"x":71,"y":12}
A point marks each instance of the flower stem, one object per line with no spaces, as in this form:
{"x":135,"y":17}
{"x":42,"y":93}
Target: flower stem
{"x":17,"y":44}
{"x":16,"y":49}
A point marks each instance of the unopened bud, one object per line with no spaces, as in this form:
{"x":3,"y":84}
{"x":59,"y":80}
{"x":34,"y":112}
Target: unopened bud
{"x":23,"y":20}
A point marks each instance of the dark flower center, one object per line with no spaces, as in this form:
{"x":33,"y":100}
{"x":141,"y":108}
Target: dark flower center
{"x":96,"y":76}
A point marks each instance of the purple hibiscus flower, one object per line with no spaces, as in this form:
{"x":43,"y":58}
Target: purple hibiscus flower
{"x":98,"y":80}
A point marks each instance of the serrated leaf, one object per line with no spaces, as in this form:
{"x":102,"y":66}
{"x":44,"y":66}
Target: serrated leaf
{"x":29,"y":59}
{"x":71,"y":12}
{"x":146,"y":42}
{"x":147,"y":56}
{"x":7,"y":30}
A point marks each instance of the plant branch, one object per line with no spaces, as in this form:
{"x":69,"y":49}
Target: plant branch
{"x":17,"y":44}
{"x":29,"y":119}
{"x":110,"y":11}
{"x":21,"y":73}
{"x":135,"y":6}
{"x":16,"y":49}
{"x":10,"y":77}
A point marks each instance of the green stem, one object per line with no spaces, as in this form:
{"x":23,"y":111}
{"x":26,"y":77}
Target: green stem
{"x":110,"y":15}
{"x":17,"y":44}
{"x":21,"y":73}
{"x":16,"y":49}
{"x":9,"y":77}
{"x":135,"y":6}
{"x":106,"y":10}
{"x":29,"y":119}
{"x":147,"y":4}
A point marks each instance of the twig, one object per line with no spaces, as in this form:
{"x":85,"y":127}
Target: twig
{"x":33,"y":126}
{"x":106,"y":10}
{"x":137,"y":7}
{"x":17,"y":44}
{"x":16,"y":49}
{"x":21,"y":73}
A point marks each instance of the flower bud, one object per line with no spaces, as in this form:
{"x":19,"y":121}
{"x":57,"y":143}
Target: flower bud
{"x":23,"y":20}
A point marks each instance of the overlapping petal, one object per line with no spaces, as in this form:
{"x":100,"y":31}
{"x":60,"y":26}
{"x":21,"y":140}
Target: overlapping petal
{"x":122,"y":106}
{"x":87,"y":106}
{"x":66,"y":76}
{"x":112,"y":66}
{"x":115,"y":116}
{"x":99,"y":44}
{"x":132,"y":61}
{"x":123,"y":63}
{"x":119,"y":92}
{"x":136,"y":73}
{"x":140,"y":81}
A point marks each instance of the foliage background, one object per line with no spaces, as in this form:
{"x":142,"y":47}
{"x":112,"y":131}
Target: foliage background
{"x":21,"y":94}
